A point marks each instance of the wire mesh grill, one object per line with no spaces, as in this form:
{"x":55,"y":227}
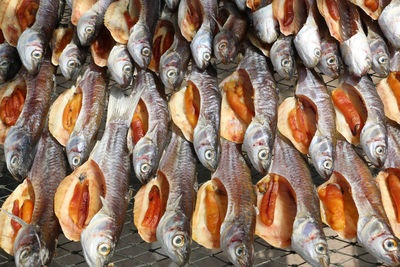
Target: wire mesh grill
{"x":133,"y":251}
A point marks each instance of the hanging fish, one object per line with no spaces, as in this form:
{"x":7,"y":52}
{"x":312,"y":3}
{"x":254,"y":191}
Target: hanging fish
{"x":34,"y":41}
{"x":19,"y":146}
{"x":178,"y":165}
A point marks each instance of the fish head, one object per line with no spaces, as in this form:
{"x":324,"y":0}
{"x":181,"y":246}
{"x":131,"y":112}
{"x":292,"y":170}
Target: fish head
{"x":120,"y":65}
{"x":77,"y":149}
{"x":201,"y":47}
{"x":28,"y":248}
{"x":173,"y":232}
{"x":144,"y":158}
{"x":98,"y":240}
{"x":139,"y":45}
{"x":308,"y":45}
{"x":282,"y":59}
{"x":69,"y":62}
{"x":373,"y":140}
{"x":86,"y":28}
{"x":237,"y":244}
{"x":309,"y":241}
{"x":258,"y":143}
{"x":171,"y":70}
{"x":380,"y":62}
{"x":206,"y":144}
{"x":330,"y":64}
{"x":19,"y":154}
{"x":356,"y":54}
{"x":321,"y":151}
{"x":265,"y":25}
{"x":375,"y":235}
{"x":9,"y":62}
{"x":225,"y":46}
{"x":31,"y":49}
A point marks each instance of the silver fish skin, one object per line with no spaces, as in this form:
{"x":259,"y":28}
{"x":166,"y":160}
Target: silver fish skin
{"x":111,"y":154}
{"x":330,"y":62}
{"x":373,"y":229}
{"x":83,"y":137}
{"x":34,"y":41}
{"x":172,"y":4}
{"x":72,"y":58}
{"x":206,"y":133}
{"x":241,"y":4}
{"x":120,"y":65}
{"x":282,"y":56}
{"x":390,"y":24}
{"x":10,"y":63}
{"x":48,"y":169}
{"x":373,"y":136}
{"x":322,"y":147}
{"x":141,"y":34}
{"x":174,"y":62}
{"x":395,"y":60}
{"x":354,"y":48}
{"x":265,"y":24}
{"x":147,"y":151}
{"x":237,"y":229}
{"x":226,"y":42}
{"x":178,"y":165}
{"x":259,"y":137}
{"x":379,"y":49}
{"x":20,"y":142}
{"x":307,"y":41}
{"x":91,"y":22}
{"x":201,"y":45}
{"x":308,"y":238}
{"x":393,"y":156}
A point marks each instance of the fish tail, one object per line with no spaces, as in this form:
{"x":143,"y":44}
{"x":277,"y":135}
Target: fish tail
{"x":122,"y":107}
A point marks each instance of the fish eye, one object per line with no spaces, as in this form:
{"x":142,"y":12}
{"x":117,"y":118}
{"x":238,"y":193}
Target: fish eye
{"x":24,"y":254}
{"x":89,"y":29}
{"x":207,"y":56}
{"x":145,"y":168}
{"x":263,"y":154}
{"x":240,"y":251}
{"x":171,"y":73}
{"x":104,"y":249}
{"x":14,"y":160}
{"x":209,"y":154}
{"x":71,"y":63}
{"x":127,"y":68}
{"x":380,"y":150}
{"x":331,"y":60}
{"x":327,"y":164}
{"x":222,"y":46}
{"x":285,"y":62}
{"x":382,"y":59}
{"x":4,"y":64}
{"x":178,"y":241}
{"x":320,"y":248}
{"x":390,"y":244}
{"x":36,"y":54}
{"x":317,"y":52}
{"x":146,"y":51}
{"x":76,"y":160}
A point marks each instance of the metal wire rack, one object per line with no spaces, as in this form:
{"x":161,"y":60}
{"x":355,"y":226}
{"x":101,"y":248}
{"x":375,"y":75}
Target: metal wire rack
{"x":133,"y":251}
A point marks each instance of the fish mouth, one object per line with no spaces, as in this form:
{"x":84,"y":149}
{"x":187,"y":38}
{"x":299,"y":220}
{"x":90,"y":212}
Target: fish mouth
{"x":324,"y":262}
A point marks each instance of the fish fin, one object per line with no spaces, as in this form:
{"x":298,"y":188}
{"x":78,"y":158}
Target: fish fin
{"x":129,"y":194}
{"x":105,"y":209}
{"x":122,"y":107}
{"x":220,"y":27}
{"x":196,"y":184}
{"x":175,"y":206}
{"x":16,"y":218}
{"x":153,"y":133}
